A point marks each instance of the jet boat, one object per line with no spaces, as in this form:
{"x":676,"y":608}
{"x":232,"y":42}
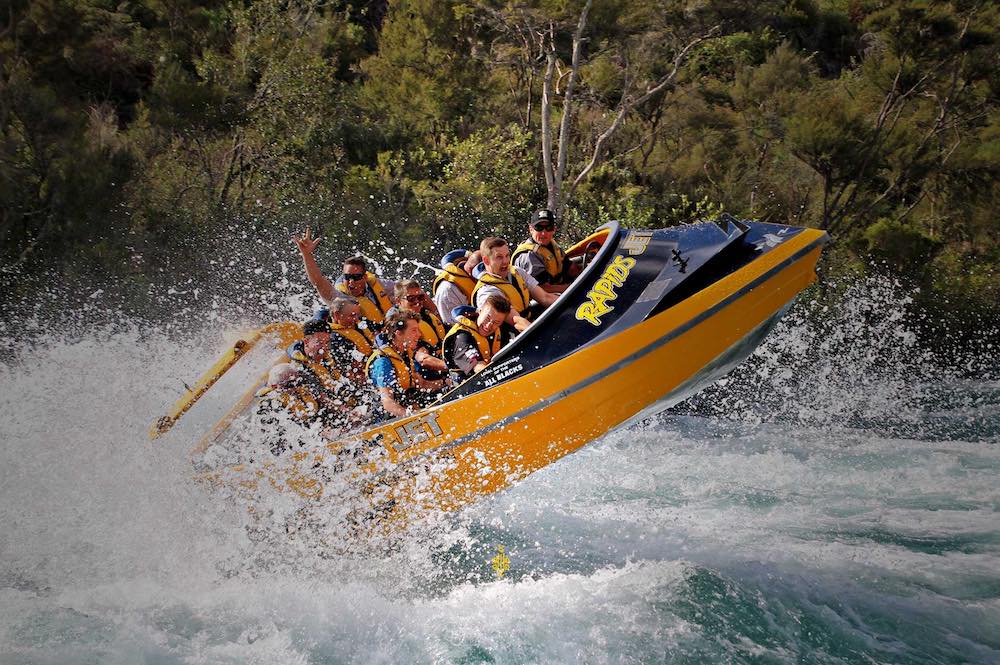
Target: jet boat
{"x":654,"y":316}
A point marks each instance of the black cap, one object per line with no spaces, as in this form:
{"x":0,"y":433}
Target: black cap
{"x":544,"y":215}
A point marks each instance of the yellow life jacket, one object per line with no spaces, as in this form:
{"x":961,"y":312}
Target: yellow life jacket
{"x":297,"y":400}
{"x":362,"y":338}
{"x":551,"y":254}
{"x":301,"y":399}
{"x":515,"y":289}
{"x":371,"y":310}
{"x":488,"y":346}
{"x":432,"y":330}
{"x":405,"y":370}
{"x":457,"y":276}
{"x":324,"y":372}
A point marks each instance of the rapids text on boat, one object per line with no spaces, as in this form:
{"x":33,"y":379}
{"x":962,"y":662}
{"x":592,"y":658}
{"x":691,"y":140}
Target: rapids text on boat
{"x":654,"y":316}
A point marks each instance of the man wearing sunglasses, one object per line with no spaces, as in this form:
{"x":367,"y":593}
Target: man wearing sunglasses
{"x":350,"y":345}
{"x":410,"y":297}
{"x":540,"y":256}
{"x":373,"y":294}
{"x":310,"y":387}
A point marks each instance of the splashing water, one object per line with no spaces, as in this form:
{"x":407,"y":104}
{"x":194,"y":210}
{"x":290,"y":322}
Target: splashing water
{"x":834,"y":500}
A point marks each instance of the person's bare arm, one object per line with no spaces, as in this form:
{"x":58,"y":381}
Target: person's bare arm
{"x":541,"y":296}
{"x":390,"y":404}
{"x":307,"y":245}
{"x":426,"y":359}
{"x":554,"y":288}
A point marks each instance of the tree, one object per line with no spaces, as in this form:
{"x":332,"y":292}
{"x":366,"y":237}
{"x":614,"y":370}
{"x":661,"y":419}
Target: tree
{"x":644,"y":45}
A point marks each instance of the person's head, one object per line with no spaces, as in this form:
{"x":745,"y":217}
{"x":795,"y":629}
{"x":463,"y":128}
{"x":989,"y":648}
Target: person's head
{"x":496,"y":256}
{"x":492,"y":314}
{"x":403,"y":330}
{"x":542,"y":227}
{"x":410,"y":296}
{"x":345,"y":312}
{"x":316,"y":338}
{"x":355,"y":270}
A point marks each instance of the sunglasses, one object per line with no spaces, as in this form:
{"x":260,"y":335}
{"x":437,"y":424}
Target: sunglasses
{"x":418,"y":298}
{"x":353,"y":277}
{"x":544,"y":227}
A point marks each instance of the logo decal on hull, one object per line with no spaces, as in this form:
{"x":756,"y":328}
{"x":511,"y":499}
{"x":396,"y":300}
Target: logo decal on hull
{"x":416,"y":431}
{"x":637,"y":242}
{"x":605,"y":290}
{"x":770,"y":240}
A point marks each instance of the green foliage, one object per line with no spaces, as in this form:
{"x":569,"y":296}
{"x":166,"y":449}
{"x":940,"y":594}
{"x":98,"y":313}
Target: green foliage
{"x":488,"y":182}
{"x":130,"y":132}
{"x":724,"y":57}
{"x":686,"y":210}
{"x":421,"y":82}
{"x":901,"y":247}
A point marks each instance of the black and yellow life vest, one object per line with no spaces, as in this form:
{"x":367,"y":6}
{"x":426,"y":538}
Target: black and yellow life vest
{"x":515,"y":289}
{"x":405,"y":370}
{"x":432,"y":330}
{"x":323,"y":371}
{"x":301,"y":397}
{"x":297,"y":399}
{"x":362,"y":338}
{"x":551,"y":254}
{"x":488,"y":346}
{"x":372,"y":310}
{"x":457,"y":276}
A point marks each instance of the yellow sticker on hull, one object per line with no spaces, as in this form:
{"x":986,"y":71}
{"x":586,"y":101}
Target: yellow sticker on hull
{"x":605,"y":290}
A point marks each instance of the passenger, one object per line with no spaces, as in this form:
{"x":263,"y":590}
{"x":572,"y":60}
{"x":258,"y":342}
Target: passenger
{"x":350,"y":345}
{"x":281,"y":395}
{"x":391,"y":367}
{"x":373,"y":294}
{"x":518,"y":286}
{"x":412,"y":298}
{"x":471,"y":343}
{"x":540,"y":256}
{"x":309,"y":386}
{"x":454,"y":284}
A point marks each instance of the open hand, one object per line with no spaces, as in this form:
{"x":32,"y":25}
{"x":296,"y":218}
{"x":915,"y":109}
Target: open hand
{"x":306,"y":243}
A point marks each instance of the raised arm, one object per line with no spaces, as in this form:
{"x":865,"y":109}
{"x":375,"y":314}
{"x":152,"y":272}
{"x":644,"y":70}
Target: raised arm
{"x":307,"y":245}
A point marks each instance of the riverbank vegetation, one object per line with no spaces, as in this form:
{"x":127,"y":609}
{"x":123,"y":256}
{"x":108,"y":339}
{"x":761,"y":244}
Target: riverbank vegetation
{"x":135,"y":136}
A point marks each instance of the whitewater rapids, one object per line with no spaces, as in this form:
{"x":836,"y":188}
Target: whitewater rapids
{"x":835,"y":500}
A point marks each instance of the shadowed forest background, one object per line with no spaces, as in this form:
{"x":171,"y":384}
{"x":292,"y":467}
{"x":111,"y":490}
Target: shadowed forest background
{"x":145,"y":143}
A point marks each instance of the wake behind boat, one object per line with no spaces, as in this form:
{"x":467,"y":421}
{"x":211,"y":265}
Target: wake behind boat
{"x":654,"y":316}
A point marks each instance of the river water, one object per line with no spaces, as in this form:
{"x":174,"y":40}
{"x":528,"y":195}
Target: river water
{"x":835,"y":500}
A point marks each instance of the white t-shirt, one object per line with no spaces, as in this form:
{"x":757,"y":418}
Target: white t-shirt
{"x":447,"y":298}
{"x":485,"y":291}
